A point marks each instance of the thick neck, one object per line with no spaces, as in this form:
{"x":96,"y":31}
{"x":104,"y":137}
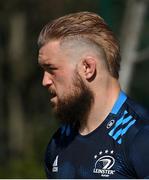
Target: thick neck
{"x":104,"y":101}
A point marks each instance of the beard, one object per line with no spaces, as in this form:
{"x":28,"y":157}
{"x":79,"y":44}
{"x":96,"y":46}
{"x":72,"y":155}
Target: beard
{"x":74,"y":108}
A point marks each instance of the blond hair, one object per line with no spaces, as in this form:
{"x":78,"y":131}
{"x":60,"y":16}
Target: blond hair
{"x":87,"y":25}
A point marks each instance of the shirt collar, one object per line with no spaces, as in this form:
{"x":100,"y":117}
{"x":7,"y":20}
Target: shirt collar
{"x":119,"y":102}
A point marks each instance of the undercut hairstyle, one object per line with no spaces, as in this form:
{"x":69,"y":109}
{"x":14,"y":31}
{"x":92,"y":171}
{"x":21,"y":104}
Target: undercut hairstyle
{"x":89,"y":26}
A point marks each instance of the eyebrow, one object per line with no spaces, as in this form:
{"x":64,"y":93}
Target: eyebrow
{"x":44,"y":65}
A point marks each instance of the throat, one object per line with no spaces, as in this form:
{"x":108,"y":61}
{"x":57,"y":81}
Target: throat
{"x":98,"y":113}
{"x":92,"y":123}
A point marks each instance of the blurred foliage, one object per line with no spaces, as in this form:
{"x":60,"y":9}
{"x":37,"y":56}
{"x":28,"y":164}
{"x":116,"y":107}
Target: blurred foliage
{"x":139,"y":87}
{"x":40,"y":124}
{"x":145,"y":33}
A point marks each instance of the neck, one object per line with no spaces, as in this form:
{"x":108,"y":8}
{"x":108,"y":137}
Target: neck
{"x":103,"y":104}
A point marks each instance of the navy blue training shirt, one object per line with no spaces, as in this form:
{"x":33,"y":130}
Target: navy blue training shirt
{"x":118,"y":148}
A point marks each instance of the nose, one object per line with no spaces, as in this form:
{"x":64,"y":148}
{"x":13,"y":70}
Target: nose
{"x":46,"y":81}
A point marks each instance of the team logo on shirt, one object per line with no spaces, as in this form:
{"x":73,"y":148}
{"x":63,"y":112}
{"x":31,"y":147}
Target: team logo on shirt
{"x":55,"y":165}
{"x":104,"y":163}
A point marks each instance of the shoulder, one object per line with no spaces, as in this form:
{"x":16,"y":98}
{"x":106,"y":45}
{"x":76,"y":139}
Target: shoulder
{"x":137,"y":110}
{"x":64,"y":135}
{"x":139,"y":114}
{"x":141,"y":138}
{"x":138,"y":152}
{"x":128,"y":121}
{"x":61,"y":138}
{"x":139,"y":119}
{"x":136,"y":140}
{"x":58,"y":141}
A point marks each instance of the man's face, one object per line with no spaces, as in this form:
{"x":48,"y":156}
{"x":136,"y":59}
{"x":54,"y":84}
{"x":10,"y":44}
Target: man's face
{"x":70,"y":98}
{"x":58,"y":71}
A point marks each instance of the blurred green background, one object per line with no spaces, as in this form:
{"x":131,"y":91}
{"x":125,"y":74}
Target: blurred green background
{"x":26,"y":120}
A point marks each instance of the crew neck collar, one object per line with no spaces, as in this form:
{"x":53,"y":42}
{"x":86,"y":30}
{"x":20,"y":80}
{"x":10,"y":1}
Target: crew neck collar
{"x":119,"y":102}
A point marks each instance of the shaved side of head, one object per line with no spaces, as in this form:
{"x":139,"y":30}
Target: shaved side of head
{"x":79,"y":48}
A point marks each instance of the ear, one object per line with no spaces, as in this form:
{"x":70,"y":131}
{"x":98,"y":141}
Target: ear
{"x":89,"y":68}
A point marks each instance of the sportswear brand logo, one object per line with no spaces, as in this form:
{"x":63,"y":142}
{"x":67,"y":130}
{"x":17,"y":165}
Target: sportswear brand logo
{"x":110,"y":123}
{"x":55,"y":165}
{"x":104,"y":163}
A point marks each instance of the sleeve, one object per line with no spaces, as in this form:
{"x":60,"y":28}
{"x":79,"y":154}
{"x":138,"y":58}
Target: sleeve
{"x":139,"y":153}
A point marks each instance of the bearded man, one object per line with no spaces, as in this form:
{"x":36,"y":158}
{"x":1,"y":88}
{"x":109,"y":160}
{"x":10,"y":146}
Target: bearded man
{"x":103,"y":133}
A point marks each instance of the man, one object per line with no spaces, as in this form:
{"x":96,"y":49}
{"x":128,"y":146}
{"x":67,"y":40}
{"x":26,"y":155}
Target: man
{"x":104,"y":134}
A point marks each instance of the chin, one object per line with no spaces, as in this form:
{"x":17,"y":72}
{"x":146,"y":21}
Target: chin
{"x":54,"y":106}
{"x":52,"y":102}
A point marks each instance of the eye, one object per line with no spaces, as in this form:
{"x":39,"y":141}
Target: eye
{"x":50,"y":69}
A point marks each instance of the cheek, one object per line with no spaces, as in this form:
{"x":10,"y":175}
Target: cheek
{"x":63,"y":78}
{"x":65,"y":88}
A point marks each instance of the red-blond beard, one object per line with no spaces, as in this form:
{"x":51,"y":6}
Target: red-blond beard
{"x":75,"y":107}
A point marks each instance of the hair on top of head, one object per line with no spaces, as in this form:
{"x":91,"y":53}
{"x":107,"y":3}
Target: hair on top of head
{"x":87,"y":25}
